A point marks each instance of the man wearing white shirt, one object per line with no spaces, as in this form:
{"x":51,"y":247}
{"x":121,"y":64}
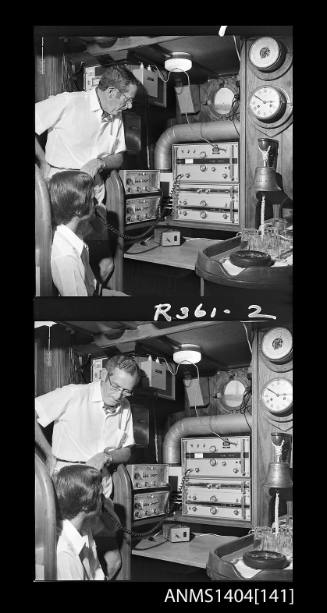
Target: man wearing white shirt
{"x":78,"y":490}
{"x":85,"y":132}
{"x":92,"y":424}
{"x":71,"y":196}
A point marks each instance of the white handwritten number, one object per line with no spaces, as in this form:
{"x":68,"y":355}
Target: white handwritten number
{"x":257,"y":312}
{"x":199,"y":312}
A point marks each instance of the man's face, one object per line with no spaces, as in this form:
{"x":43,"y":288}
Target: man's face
{"x":115,"y":101}
{"x":118,"y":385}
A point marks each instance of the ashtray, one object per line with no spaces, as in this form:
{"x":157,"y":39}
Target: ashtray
{"x":246,"y":257}
{"x":265,"y":559}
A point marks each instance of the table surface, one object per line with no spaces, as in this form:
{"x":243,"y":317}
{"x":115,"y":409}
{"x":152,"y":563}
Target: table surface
{"x":192,"y":553}
{"x":183,"y":256}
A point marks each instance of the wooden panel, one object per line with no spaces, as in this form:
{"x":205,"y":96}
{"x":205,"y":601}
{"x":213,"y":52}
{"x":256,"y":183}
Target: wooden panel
{"x":262,"y":448}
{"x":250,"y":155}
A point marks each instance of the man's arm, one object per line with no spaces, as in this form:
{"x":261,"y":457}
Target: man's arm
{"x":119,"y":456}
{"x":114,"y":160}
{"x":40,"y":156}
{"x":44,"y":446}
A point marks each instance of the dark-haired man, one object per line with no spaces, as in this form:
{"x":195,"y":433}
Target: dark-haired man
{"x":85,"y":132}
{"x":92,"y":425}
{"x":78,"y":488}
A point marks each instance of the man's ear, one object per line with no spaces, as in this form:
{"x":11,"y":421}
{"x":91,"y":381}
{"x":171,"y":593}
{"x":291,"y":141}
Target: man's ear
{"x":103,"y":374}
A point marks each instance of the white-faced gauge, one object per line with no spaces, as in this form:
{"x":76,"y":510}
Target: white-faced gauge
{"x":277,"y":344}
{"x":267,"y":103}
{"x":277,"y":395}
{"x":267,"y":54}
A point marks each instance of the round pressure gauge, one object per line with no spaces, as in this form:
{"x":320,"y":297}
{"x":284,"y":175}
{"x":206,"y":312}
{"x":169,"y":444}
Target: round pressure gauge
{"x":266,"y":54}
{"x":277,"y":344}
{"x":277,"y":395}
{"x":267,"y":103}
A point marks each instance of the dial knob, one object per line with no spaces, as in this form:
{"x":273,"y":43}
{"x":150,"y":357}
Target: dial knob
{"x":213,"y":499}
{"x":225,"y":175}
{"x":213,"y":462}
{"x":212,"y":448}
{"x":236,"y":512}
{"x":184,"y":213}
{"x":184,"y":202}
{"x":203,"y":168}
{"x":203,"y":154}
{"x":213,"y":168}
{"x":203,"y":214}
{"x":224,"y":463}
{"x":194,"y":508}
{"x":197,"y":470}
{"x":203,"y":203}
{"x":193,"y":497}
{"x":187,"y":175}
{"x":235,"y":470}
{"x":213,"y":510}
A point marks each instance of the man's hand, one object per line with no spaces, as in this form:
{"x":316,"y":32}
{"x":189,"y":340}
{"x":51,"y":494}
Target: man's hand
{"x":51,"y":463}
{"x":93,"y":166}
{"x":98,"y":460}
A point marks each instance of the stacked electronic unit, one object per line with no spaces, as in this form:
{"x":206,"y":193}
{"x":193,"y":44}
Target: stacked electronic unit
{"x":206,"y":184}
{"x":217,"y":479}
{"x":150,"y":490}
{"x":142,"y":195}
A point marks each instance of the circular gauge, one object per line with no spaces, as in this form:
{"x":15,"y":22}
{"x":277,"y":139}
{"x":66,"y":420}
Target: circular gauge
{"x":233,"y":393}
{"x":277,"y":395}
{"x":277,"y":344}
{"x":267,"y":103}
{"x":222,"y":101}
{"x":266,"y":54}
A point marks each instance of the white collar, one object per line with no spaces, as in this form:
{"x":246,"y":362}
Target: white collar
{"x":71,"y":237}
{"x":75,"y":539}
{"x":94,"y":100}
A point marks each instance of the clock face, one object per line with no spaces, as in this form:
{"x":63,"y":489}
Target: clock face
{"x":266,"y":54}
{"x":277,"y":395}
{"x":267,"y":103}
{"x":277,"y":344}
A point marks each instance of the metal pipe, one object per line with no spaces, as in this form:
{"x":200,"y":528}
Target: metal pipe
{"x":198,"y":426}
{"x":212,"y":130}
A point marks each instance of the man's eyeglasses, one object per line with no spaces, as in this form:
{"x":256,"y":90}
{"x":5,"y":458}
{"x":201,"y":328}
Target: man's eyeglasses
{"x":126,"y":99}
{"x":117,"y":388}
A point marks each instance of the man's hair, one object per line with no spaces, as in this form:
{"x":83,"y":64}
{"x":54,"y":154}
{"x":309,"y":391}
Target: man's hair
{"x":71,"y":194}
{"x":123,"y":362}
{"x":78,"y":488}
{"x":117,"y":76}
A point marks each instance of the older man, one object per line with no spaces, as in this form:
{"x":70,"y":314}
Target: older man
{"x":92,"y":425}
{"x":85,"y":132}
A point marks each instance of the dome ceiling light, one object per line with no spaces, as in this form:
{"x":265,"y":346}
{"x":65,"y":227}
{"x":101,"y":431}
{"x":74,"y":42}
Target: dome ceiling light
{"x":178,"y":62}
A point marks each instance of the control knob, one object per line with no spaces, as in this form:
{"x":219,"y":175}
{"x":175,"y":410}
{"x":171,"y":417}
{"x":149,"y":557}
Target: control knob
{"x":212,"y":448}
{"x":213,"y":499}
{"x":187,"y":175}
{"x":225,"y":175}
{"x":197,"y":469}
{"x":203,"y":203}
{"x":203,"y":214}
{"x":194,"y":508}
{"x":213,"y":510}
{"x":236,"y":512}
{"x":203,"y":168}
{"x":193,"y":497}
{"x":235,"y":470}
{"x":213,"y":168}
{"x":224,"y":463}
{"x":213,"y":462}
{"x":203,"y":154}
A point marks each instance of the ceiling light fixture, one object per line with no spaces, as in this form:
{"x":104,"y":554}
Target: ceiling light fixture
{"x":178,"y":62}
{"x":187,"y":353}
{"x":222,"y":30}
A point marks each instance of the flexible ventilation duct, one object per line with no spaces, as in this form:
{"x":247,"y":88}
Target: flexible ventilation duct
{"x":201,"y":426}
{"x":214,"y":131}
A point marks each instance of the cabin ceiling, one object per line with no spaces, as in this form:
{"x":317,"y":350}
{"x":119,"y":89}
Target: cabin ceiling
{"x":223,"y":344}
{"x":212,"y":55}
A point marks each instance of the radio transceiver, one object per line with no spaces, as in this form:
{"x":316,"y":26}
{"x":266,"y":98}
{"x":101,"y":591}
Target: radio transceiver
{"x":220,"y":498}
{"x":215,"y":163}
{"x":214,"y":457}
{"x":142,"y":209}
{"x":140,"y":181}
{"x":150,"y":504}
{"x":148,"y":475}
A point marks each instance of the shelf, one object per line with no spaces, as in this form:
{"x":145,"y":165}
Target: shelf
{"x":201,"y":225}
{"x":210,"y":522}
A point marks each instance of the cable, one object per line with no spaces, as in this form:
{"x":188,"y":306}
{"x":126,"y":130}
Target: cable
{"x":236,"y":49}
{"x":247,"y":337}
